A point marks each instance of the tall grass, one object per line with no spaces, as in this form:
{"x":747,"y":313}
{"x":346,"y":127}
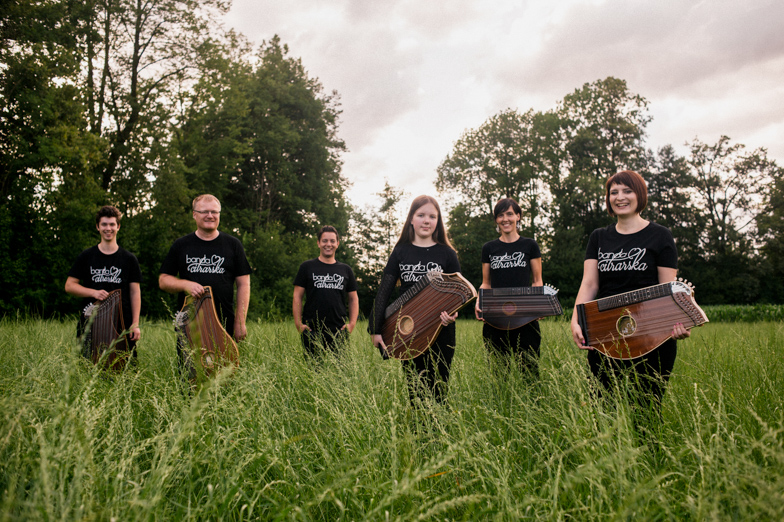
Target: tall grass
{"x":281,"y":439}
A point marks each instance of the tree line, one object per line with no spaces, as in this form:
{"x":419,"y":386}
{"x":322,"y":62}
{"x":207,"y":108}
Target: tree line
{"x":145,"y":105}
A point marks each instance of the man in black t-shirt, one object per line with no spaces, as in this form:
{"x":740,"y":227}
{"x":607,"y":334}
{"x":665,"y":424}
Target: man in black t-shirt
{"x":327,"y":286}
{"x":209,"y":258}
{"x":104,"y":268}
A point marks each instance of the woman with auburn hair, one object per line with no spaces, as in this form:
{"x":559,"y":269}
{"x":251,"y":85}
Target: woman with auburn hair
{"x":512,"y":261}
{"x":423,"y":246}
{"x":630,"y":254}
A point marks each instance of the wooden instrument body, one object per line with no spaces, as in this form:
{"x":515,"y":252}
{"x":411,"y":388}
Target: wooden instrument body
{"x":413,"y":321}
{"x":629,"y":325}
{"x":207,"y":345}
{"x":105,"y":340}
{"x":510,"y":308}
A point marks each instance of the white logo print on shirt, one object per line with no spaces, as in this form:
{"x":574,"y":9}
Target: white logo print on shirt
{"x":617,"y":261}
{"x":205,"y":265}
{"x":413,"y":273}
{"x":333,"y":281}
{"x":106,"y":275}
{"x":508,"y":261}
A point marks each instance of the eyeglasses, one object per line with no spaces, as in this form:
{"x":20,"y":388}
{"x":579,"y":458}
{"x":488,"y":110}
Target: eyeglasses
{"x":208,"y":212}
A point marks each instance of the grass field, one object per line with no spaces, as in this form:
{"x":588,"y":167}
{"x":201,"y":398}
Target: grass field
{"x":282,"y":440}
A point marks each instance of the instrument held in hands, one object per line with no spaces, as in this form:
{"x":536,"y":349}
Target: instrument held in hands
{"x":510,"y":308}
{"x":208,"y":347}
{"x":629,"y":325}
{"x":413,"y":321}
{"x":105,"y":340}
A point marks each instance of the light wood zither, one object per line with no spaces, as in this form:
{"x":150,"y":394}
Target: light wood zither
{"x":510,"y":308}
{"x":104,"y":340}
{"x":629,"y":325}
{"x":413,"y":321}
{"x":207,"y":344}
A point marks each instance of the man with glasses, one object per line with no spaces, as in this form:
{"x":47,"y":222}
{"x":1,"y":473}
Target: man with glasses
{"x":209,"y":258}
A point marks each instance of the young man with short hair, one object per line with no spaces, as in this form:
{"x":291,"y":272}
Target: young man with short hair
{"x":331,"y":303}
{"x":106,"y":267}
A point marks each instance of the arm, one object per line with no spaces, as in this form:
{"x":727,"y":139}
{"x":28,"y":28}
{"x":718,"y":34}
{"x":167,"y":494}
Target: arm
{"x":243,"y":298}
{"x":353,"y":311}
{"x":296,"y":308}
{"x":485,"y":284}
{"x":171,"y":284}
{"x":536,"y":271}
{"x":73,"y":287}
{"x":136,"y":307}
{"x":588,"y":290}
{"x":667,"y":275}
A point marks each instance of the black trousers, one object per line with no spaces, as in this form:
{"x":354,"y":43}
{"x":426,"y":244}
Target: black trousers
{"x":428,"y":374}
{"x":318,"y":342}
{"x":520,"y":345}
{"x":648,"y":375}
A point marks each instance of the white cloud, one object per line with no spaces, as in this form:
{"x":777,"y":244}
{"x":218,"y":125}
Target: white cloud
{"x":414,"y":75}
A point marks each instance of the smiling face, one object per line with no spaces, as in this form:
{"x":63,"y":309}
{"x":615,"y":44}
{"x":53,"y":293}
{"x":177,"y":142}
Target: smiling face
{"x":507,"y":221}
{"x":424,"y":221}
{"x":108,"y":227}
{"x":328,"y":245}
{"x":623,"y":200}
{"x":206,"y":213}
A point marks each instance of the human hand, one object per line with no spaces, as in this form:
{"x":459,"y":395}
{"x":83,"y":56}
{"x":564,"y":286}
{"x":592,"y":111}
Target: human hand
{"x":447,"y":319}
{"x":577,"y":336}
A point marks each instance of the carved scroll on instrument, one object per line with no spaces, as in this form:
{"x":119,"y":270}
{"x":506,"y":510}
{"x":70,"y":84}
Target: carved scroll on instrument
{"x":510,"y":308}
{"x":629,"y":325}
{"x":104,"y":340}
{"x":413,"y":321}
{"x":207,"y":345}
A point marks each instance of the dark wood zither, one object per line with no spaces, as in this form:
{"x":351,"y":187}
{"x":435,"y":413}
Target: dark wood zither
{"x":207,"y":344}
{"x":413,"y":321}
{"x":510,"y":308}
{"x":629,"y":325}
{"x":105,"y":340}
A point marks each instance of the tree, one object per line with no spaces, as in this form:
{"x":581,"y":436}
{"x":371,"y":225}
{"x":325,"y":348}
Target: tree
{"x":499,"y":159}
{"x":770,"y":232}
{"x":373,"y":234}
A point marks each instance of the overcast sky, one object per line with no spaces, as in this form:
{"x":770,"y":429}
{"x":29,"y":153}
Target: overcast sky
{"x":413,"y":75}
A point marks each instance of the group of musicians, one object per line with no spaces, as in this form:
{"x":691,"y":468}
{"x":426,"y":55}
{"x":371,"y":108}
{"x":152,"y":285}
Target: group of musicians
{"x":630,"y":254}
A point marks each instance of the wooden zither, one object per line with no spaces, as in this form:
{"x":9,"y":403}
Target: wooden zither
{"x":510,"y":308}
{"x":413,"y":321}
{"x":207,"y":345}
{"x":629,"y":325}
{"x":105,"y":340}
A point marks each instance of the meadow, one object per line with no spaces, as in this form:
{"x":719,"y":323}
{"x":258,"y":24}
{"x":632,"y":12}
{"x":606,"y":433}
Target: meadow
{"x":281,"y":439}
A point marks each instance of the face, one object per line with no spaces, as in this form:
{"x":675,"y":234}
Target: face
{"x":207,"y":215}
{"x":328,"y":244}
{"x":425,"y":221}
{"x":108,"y":227}
{"x":623,"y":200}
{"x":507,"y":221}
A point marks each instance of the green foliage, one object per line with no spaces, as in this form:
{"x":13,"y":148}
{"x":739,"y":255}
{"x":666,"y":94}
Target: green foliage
{"x":744,"y":314}
{"x":282,"y":439}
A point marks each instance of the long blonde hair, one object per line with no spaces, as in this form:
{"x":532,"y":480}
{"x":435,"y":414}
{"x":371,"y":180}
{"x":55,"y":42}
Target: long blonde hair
{"x":439,"y":234}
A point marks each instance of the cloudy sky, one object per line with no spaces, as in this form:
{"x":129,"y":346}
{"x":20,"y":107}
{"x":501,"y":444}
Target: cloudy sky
{"x":413,"y":75}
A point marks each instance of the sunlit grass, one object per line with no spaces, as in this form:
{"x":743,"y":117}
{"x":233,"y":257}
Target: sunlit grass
{"x":282,"y":439}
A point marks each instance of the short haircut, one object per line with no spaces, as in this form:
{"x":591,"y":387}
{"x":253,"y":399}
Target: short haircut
{"x":327,"y":228}
{"x":108,"y":211}
{"x":504,"y":204}
{"x":208,"y":197}
{"x":632,"y":180}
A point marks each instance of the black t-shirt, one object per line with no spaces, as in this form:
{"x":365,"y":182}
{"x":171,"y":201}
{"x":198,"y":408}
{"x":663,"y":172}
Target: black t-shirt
{"x":510,"y":263}
{"x":100,"y":271}
{"x":408,"y":263}
{"x":326,"y":290}
{"x":630,"y":261}
{"x":215,"y":263}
